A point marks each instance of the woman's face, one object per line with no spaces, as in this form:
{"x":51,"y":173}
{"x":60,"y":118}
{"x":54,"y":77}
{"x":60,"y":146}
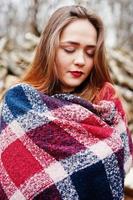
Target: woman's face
{"x":75,"y":54}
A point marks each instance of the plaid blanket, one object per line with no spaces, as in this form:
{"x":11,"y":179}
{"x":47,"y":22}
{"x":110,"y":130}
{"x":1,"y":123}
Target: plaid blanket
{"x":62,"y":147}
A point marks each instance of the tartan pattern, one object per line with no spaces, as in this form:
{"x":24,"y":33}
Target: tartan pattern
{"x":62,"y":147}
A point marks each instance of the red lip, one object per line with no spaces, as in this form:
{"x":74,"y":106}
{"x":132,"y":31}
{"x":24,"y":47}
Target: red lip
{"x":76,"y":74}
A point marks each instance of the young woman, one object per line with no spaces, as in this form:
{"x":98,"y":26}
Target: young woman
{"x":64,"y":133}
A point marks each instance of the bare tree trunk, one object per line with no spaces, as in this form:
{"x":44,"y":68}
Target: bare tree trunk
{"x":123,"y":22}
{"x":33,"y":15}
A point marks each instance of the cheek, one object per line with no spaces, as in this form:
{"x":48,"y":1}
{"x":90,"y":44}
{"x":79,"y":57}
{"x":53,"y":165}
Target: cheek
{"x":90,"y":65}
{"x":88,"y":70}
{"x":59,"y":59}
{"x":62,"y":63}
{"x":60,"y":66}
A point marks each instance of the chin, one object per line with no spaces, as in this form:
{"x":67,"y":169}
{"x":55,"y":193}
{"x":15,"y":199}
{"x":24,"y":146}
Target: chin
{"x":74,"y":84}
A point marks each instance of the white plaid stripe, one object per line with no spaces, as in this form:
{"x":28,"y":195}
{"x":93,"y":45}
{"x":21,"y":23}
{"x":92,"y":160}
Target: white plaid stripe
{"x":17,"y":196}
{"x":36,"y":184}
{"x":56,"y":172}
{"x":113,"y":176}
{"x":67,"y":189}
{"x":79,"y":161}
{"x":7,"y":184}
{"x":128,"y":164}
{"x":101,"y":149}
{"x":6,"y":138}
{"x":34,"y":98}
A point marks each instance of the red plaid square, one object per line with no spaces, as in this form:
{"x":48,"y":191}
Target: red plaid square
{"x":19,"y":163}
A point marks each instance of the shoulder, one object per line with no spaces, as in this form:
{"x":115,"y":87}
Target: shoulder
{"x":20,"y":98}
{"x":20,"y":92}
{"x":107,"y":92}
{"x":17,"y":89}
{"x":15,"y":94}
{"x":21,"y":102}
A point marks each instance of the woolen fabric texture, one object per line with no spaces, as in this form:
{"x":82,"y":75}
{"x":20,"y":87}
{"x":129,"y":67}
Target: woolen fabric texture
{"x":62,"y":147}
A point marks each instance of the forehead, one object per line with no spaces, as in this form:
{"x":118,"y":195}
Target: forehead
{"x":81,"y":31}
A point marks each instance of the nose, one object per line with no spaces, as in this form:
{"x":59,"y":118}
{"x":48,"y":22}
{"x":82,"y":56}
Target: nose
{"x":79,"y":59}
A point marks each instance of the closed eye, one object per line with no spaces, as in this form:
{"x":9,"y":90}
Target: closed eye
{"x":68,"y":50}
{"x":90,"y":54}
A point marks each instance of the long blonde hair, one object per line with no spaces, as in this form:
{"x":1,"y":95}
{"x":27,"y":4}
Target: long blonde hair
{"x":42,"y":71}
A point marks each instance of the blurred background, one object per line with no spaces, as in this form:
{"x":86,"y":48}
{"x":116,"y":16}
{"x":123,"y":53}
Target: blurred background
{"x":21,"y":23}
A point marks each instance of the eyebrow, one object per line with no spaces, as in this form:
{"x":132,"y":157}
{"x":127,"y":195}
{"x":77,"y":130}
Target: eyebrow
{"x":76,"y":43}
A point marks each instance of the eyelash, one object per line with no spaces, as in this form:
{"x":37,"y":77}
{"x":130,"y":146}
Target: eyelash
{"x":90,"y":55}
{"x":69,"y":51}
{"x":72,"y":51}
